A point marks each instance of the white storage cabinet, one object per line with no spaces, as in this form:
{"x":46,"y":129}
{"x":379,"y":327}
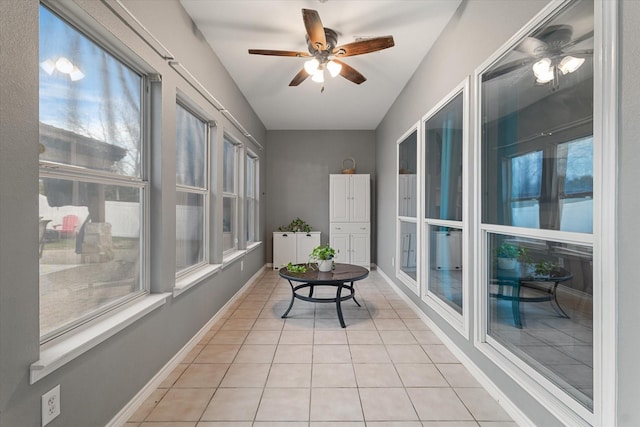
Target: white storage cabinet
{"x":349,"y":215}
{"x":293,"y":247}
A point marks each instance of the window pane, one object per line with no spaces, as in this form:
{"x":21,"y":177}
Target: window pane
{"x":443,"y":162}
{"x":251,"y":220}
{"x":526,"y":179}
{"x":229,"y":223}
{"x":408,"y":245}
{"x":576,"y":202}
{"x":541,"y":308}
{"x":532,"y":105}
{"x":229,"y":168}
{"x":407,"y":168}
{"x":189,"y":229}
{"x":90,"y":242}
{"x":445,"y":265}
{"x":191,"y":150}
{"x":90,"y":103}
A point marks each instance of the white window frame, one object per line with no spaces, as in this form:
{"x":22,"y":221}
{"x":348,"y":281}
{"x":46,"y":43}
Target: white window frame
{"x":460,"y":322}
{"x":408,"y":281}
{"x":235,"y":195}
{"x":253,"y":215}
{"x":605,"y":118}
{"x":204,"y":191}
{"x":54,"y":170}
{"x":65,"y":348}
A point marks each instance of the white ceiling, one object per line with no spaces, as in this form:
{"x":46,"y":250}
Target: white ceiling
{"x":232,"y":27}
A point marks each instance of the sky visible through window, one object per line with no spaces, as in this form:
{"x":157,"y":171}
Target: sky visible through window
{"x":103,"y":102}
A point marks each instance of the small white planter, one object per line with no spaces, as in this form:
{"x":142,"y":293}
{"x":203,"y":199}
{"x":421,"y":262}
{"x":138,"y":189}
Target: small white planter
{"x":507,"y":263}
{"x":325,"y":265}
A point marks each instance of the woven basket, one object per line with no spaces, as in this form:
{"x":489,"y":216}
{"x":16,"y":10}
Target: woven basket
{"x":350,"y":170}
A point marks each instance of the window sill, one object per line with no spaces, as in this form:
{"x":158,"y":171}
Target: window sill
{"x":231,"y":257}
{"x":192,"y":279}
{"x":62,"y":351}
{"x":253,"y":246}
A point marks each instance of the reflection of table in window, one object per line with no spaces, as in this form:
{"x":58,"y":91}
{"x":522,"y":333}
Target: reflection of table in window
{"x":342,"y":277}
{"x":511,"y":281}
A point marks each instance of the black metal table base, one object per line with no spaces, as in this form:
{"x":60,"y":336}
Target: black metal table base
{"x":337,"y":299}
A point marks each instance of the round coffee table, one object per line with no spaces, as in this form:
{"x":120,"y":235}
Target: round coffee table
{"x":342,"y":277}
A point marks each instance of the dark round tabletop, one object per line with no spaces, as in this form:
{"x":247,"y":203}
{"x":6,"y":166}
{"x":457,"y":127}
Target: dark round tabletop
{"x":340,"y":274}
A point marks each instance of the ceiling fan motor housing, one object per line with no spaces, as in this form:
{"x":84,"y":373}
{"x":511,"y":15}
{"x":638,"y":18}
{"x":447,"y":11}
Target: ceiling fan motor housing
{"x":332,"y":41}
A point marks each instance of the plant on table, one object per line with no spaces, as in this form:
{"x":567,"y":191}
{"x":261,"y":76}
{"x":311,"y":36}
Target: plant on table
{"x":296,"y":268}
{"x":323,"y":255}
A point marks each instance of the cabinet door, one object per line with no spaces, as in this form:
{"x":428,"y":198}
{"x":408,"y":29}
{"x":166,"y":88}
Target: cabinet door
{"x":340,"y":242}
{"x":339,"y":198}
{"x":359,"y":198}
{"x":284,"y":249}
{"x":360,"y":244}
{"x":305,"y":243}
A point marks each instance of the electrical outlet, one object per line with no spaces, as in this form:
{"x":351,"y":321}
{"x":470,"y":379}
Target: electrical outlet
{"x":50,"y":405}
{"x":393,"y":262}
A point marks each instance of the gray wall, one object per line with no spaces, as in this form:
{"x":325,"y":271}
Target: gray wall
{"x":299,"y":164}
{"x":476,"y":31}
{"x":628,"y":207}
{"x":97,"y":384}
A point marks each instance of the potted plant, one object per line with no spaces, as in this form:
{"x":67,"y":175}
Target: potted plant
{"x":323,"y":255}
{"x":507,"y":255}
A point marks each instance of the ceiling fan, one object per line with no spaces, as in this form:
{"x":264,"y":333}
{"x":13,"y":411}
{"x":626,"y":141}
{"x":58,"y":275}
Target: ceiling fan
{"x":548,"y":50}
{"x":324,"y":52}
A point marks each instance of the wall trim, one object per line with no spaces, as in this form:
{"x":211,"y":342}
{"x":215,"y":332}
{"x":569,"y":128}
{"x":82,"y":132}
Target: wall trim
{"x":130,"y":408}
{"x":518,"y":416}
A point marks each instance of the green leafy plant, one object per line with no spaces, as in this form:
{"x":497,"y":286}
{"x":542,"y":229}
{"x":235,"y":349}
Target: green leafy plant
{"x":295,"y":226}
{"x":322,"y":253}
{"x":507,"y":250}
{"x":296,"y":268}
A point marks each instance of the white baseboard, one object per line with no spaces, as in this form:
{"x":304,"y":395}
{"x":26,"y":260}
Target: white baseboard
{"x":130,"y":408}
{"x":518,"y":416}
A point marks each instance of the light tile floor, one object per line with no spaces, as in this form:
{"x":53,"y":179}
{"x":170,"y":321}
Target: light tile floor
{"x":386,"y":369}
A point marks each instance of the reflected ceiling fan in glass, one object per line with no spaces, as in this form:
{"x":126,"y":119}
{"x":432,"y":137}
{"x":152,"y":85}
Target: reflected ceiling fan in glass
{"x":550,"y":51}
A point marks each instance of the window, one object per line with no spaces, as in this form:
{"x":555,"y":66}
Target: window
{"x":537,"y":206}
{"x":407,"y":245}
{"x":443,"y":192}
{"x":251,"y":196}
{"x":93,"y":187}
{"x":191,"y":190}
{"x":229,"y":197}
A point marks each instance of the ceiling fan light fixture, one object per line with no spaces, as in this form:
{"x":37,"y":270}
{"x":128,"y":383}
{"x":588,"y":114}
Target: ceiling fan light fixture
{"x":311,"y":66}
{"x":64,"y":65}
{"x":76,"y":74}
{"x":569,"y":64}
{"x":318,"y":76}
{"x":49,"y":66}
{"x":334,"y":68}
{"x":543,"y":71}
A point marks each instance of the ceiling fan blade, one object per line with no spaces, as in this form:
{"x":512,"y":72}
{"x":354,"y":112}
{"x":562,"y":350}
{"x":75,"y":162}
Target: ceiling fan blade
{"x":315,"y":29}
{"x":578,"y":40}
{"x":506,"y":69}
{"x":350,"y":73}
{"x":278,"y":52}
{"x":299,"y":78}
{"x":532,"y":47}
{"x":364,"y":46}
